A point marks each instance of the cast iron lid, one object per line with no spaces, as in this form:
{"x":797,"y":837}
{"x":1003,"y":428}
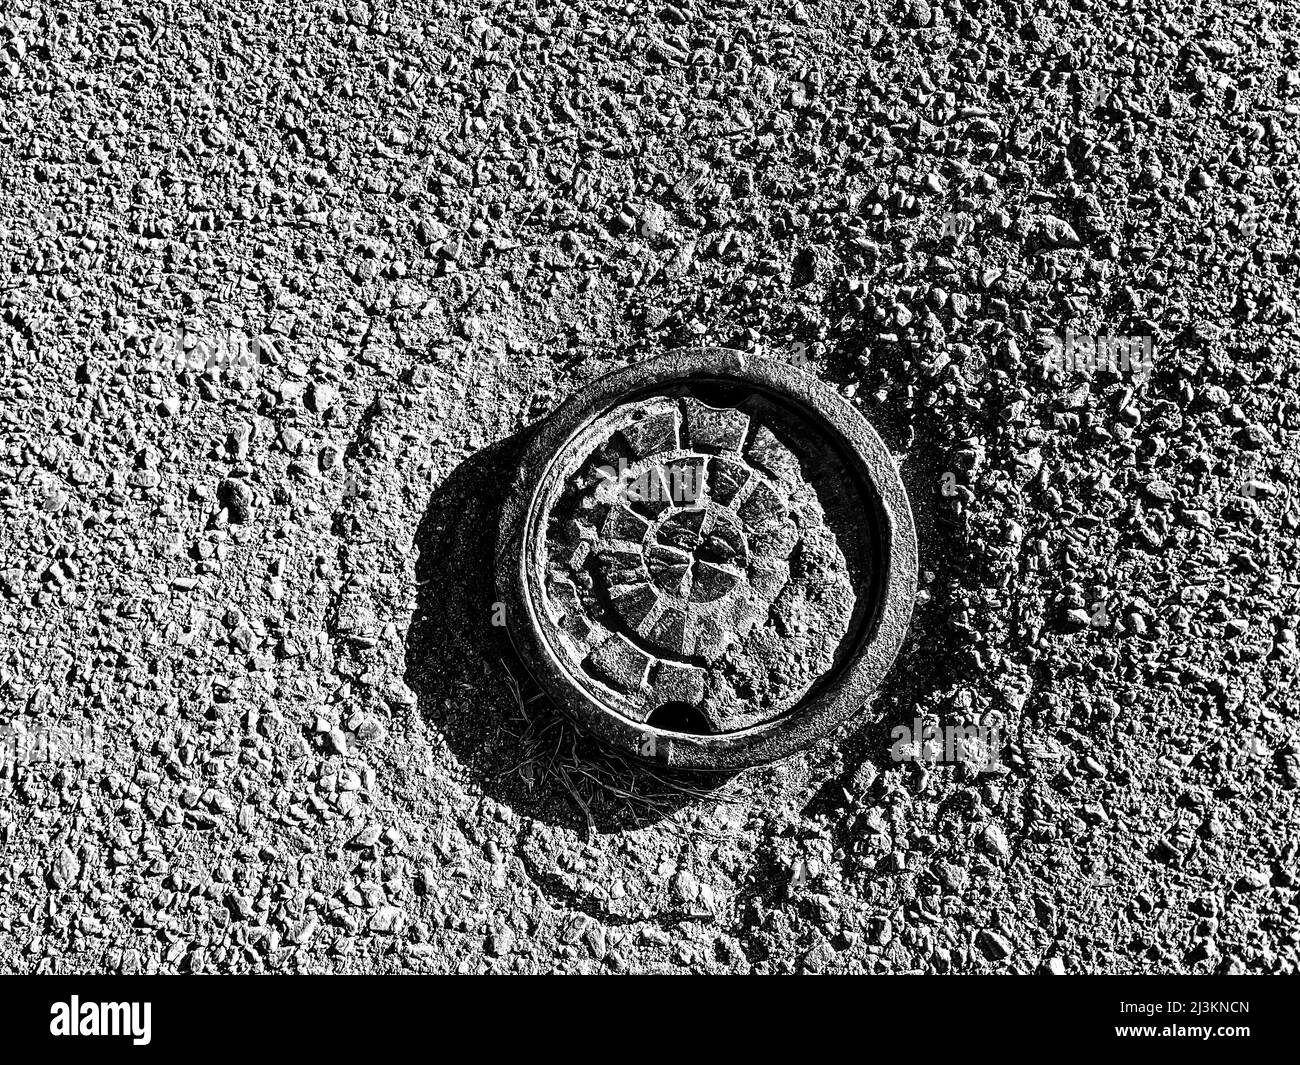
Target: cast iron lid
{"x":708,"y":559}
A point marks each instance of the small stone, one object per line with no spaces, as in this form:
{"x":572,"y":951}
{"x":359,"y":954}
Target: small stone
{"x":339,"y":741}
{"x":917,"y":13}
{"x":321,"y":397}
{"x":65,"y":869}
{"x":685,"y":886}
{"x":501,"y":943}
{"x":1077,"y":620}
{"x":994,"y":841}
{"x":237,"y":497}
{"x":1055,"y":232}
{"x":237,"y":441}
{"x":386,"y":919}
{"x":594,"y":937}
{"x":1160,"y":491}
{"x":994,"y":946}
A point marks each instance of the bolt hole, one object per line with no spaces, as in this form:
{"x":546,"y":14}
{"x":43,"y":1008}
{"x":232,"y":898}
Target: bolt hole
{"x":679,"y":717}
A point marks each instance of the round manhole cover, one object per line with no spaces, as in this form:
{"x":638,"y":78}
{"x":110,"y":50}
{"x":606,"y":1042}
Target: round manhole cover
{"x":708,"y":559}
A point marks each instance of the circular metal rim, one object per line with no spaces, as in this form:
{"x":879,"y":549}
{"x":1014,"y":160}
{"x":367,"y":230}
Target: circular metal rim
{"x":839,"y":697}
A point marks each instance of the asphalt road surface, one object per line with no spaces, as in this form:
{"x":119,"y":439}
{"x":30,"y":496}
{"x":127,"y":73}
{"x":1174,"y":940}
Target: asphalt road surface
{"x":282,"y":286}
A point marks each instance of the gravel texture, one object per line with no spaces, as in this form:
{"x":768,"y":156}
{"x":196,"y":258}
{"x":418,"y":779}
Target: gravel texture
{"x":281,"y":286}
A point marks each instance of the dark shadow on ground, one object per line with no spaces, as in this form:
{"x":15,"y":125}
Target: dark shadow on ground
{"x":471,"y":687}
